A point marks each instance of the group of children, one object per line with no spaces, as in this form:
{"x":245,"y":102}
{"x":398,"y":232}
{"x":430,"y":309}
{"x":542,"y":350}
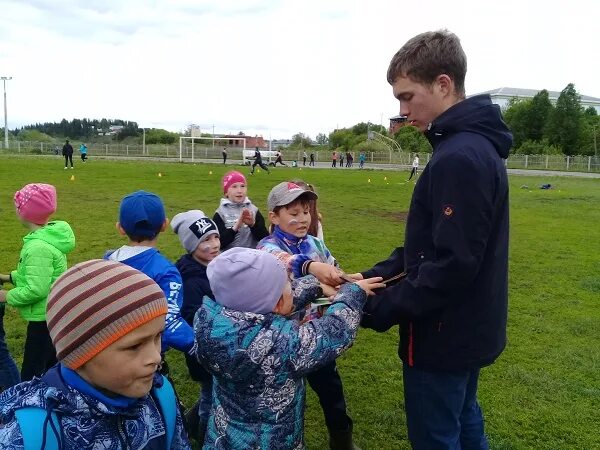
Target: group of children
{"x":94,"y":374}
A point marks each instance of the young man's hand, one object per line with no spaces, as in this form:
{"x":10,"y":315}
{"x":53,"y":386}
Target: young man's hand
{"x":371,"y":283}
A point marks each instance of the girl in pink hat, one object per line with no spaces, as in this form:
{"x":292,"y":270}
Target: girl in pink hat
{"x":43,"y":259}
{"x":239,"y":221}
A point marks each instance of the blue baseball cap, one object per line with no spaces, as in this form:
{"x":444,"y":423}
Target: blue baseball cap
{"x":142,"y":214}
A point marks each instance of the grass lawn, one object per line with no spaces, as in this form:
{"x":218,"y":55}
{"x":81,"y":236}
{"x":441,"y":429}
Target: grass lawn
{"x":542,"y":393}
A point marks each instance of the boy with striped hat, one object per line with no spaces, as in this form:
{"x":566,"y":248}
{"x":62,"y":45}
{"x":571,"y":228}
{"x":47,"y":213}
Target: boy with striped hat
{"x":105,"y":320}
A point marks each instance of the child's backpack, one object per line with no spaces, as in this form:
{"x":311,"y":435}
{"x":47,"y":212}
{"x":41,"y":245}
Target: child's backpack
{"x":41,"y":431}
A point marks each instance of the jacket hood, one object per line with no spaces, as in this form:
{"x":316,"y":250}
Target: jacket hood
{"x":188,"y":266}
{"x":142,"y":255}
{"x":230,"y":204}
{"x":476,"y":114}
{"x":56,"y":233}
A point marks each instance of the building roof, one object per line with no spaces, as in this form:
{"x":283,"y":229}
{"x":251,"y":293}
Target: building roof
{"x":529,"y":93}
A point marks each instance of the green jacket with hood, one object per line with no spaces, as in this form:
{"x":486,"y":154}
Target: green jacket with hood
{"x":43,"y":259}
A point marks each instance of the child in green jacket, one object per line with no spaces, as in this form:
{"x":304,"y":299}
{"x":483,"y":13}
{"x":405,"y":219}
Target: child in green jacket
{"x":43,"y":259}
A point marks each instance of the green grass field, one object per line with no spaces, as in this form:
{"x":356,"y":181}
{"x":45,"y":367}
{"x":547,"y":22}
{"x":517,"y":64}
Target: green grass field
{"x":542,"y":393}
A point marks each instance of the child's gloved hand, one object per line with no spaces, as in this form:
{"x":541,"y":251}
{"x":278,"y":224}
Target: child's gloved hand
{"x":371,"y":283}
{"x":2,"y":296}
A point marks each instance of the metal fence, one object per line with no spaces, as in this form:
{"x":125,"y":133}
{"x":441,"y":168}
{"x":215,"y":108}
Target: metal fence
{"x":196,"y":152}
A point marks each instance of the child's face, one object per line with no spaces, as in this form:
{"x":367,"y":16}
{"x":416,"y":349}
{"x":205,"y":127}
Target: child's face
{"x":294,"y":219}
{"x":208,"y":249}
{"x":285,"y":305}
{"x":237,"y":192}
{"x":127,"y":366}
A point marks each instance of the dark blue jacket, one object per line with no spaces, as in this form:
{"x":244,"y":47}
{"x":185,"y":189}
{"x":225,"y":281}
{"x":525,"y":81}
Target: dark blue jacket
{"x":86,"y":422}
{"x":195,"y":288}
{"x":452,"y":305}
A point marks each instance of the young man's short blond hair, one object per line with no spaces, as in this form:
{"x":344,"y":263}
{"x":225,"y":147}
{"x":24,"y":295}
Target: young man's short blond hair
{"x":428,"y":55}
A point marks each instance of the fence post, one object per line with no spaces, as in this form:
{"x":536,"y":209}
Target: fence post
{"x":546,"y":161}
{"x":568,"y":161}
{"x":589,"y":163}
{"x":167,"y":150}
{"x":526,"y":160}
{"x":19,"y":146}
{"x":106,"y":149}
{"x":127,"y":150}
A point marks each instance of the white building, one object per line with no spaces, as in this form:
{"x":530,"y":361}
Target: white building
{"x":502,"y":96}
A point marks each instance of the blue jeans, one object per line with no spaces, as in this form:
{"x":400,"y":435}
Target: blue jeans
{"x":9,"y":373}
{"x":442,"y":412}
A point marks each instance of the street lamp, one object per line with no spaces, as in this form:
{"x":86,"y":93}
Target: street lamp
{"x":4,"y":80}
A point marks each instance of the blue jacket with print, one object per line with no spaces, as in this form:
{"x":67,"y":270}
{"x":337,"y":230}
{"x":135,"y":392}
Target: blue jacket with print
{"x":294,"y":251}
{"x":177,"y":334}
{"x":85,"y":422}
{"x":259,"y":363}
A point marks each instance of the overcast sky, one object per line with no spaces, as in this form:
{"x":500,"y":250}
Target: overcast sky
{"x":271,"y":67}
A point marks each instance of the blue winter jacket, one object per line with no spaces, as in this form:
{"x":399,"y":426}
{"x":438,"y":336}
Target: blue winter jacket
{"x":295,"y":252}
{"x":85,"y":422}
{"x":178,"y":334}
{"x":259,"y":363}
{"x":452,"y":305}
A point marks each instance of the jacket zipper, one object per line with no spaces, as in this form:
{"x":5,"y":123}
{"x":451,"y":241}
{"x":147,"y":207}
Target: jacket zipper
{"x":121,"y":433}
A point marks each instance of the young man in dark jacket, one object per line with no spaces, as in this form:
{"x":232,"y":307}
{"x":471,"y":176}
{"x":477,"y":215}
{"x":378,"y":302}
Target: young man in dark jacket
{"x":452,"y":304}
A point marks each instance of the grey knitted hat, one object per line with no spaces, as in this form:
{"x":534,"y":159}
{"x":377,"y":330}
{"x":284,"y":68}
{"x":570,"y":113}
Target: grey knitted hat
{"x":193,"y":227}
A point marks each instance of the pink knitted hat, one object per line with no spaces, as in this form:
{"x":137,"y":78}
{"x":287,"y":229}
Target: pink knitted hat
{"x":232,"y":177}
{"x":36,"y":202}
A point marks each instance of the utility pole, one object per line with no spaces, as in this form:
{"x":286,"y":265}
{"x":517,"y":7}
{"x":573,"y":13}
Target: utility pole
{"x":4,"y":80}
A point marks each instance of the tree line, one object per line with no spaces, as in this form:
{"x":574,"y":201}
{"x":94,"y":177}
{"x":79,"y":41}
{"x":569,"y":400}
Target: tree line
{"x":539,"y":127}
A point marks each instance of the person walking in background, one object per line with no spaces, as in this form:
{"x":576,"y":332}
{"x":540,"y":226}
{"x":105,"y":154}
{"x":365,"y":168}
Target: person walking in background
{"x":334,"y":157}
{"x":83,"y":151}
{"x":67,"y":152}
{"x":258,"y":162}
{"x":349,"y":159}
{"x":341,"y":157}
{"x":361,"y":160}
{"x":415,"y":166}
{"x":279,"y":159}
{"x":312,"y":159}
{"x":224,"y":153}
{"x":304,"y":156}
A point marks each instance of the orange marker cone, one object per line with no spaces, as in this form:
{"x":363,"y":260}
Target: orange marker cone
{"x":210,"y":172}
{"x":159,"y":174}
{"x":369,"y":180}
{"x":72,"y":177}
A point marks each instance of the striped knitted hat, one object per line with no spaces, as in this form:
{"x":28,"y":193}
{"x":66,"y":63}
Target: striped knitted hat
{"x":95,"y":303}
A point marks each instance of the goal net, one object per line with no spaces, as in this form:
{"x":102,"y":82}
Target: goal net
{"x":193,"y":148}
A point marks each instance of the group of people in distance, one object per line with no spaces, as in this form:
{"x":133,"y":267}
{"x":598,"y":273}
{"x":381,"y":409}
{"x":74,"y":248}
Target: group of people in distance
{"x":67,"y":152}
{"x":230,"y":302}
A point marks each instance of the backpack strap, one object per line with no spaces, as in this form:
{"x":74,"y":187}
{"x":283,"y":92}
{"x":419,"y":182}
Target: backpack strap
{"x":167,"y":402}
{"x":31,"y":420}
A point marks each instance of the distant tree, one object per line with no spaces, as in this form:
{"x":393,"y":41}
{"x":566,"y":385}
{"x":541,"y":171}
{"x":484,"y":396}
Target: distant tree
{"x":301,"y":140}
{"x":322,"y":139}
{"x":541,"y":108}
{"x":412,"y":140}
{"x":517,"y":116}
{"x":566,"y":120}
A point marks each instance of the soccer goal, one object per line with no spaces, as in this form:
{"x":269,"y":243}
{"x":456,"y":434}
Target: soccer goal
{"x":215,"y":143}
